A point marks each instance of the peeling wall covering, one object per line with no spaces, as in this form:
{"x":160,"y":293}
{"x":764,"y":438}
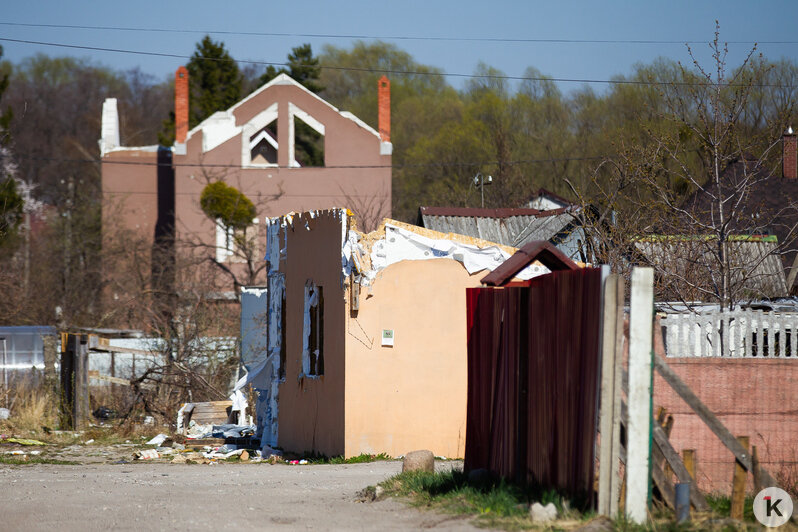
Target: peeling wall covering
{"x":335,"y":413}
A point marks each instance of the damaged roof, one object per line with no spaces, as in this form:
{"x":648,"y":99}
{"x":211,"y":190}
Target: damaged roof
{"x":509,"y":227}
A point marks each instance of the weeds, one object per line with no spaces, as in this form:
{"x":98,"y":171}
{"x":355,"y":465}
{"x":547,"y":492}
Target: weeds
{"x":495,"y":503}
{"x":7,"y":460}
{"x":359,"y":459}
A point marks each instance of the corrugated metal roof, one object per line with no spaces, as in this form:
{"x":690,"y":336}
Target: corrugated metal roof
{"x":755,"y":263}
{"x":509,"y":227}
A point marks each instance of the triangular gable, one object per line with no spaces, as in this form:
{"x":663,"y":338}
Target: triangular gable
{"x":538,"y":250}
{"x":281,"y":79}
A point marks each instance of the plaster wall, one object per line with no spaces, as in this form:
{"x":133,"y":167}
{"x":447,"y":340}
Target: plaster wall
{"x":413,"y":395}
{"x":311,"y":410}
{"x":348,"y":179}
{"x":130,"y":192}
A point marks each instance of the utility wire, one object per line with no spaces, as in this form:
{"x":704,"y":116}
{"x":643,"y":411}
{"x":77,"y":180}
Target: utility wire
{"x":367,"y":166}
{"x":379,"y":37}
{"x":398,"y":72}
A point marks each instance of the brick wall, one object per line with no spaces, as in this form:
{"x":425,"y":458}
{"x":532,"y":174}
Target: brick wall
{"x":181,"y":104}
{"x":752,"y":397}
{"x":384,"y":109}
{"x":790,"y":156}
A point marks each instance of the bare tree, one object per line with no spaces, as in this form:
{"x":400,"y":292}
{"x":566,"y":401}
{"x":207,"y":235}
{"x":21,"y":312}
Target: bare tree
{"x":689,"y":197}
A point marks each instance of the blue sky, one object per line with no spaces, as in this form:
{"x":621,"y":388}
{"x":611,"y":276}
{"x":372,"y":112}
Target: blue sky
{"x":675,"y":20}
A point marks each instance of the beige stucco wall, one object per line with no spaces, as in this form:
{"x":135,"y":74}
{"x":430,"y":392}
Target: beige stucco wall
{"x":311,"y":410}
{"x":413,"y":395}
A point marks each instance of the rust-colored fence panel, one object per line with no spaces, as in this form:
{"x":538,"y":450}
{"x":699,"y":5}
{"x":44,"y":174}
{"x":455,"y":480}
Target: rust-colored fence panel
{"x":533,"y":376}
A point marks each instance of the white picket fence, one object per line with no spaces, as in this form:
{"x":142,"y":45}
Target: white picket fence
{"x":737,"y":333}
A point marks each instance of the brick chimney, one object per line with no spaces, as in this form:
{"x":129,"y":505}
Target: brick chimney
{"x":384,"y":109}
{"x":181,"y":105}
{"x":789,"y":161}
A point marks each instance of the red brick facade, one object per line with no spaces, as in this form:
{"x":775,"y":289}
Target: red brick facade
{"x":384,"y":109}
{"x":752,"y":397}
{"x":181,"y":104}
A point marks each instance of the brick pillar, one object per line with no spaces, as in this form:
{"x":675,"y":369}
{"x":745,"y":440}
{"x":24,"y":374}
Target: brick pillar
{"x":181,"y":104}
{"x":790,"y":155}
{"x":384,"y":109}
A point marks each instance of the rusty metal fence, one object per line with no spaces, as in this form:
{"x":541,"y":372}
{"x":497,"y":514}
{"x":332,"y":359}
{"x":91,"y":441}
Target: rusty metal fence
{"x":533,"y":378}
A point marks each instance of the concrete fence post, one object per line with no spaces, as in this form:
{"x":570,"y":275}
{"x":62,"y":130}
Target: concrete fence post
{"x":638,"y":463}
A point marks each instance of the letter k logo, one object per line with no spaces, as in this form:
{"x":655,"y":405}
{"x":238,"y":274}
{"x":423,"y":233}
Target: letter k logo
{"x":772,"y":506}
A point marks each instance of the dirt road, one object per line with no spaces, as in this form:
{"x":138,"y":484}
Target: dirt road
{"x":224,"y":496}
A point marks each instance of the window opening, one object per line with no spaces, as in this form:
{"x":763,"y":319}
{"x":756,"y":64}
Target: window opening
{"x":264,"y":145}
{"x":308,"y":144}
{"x":313,"y":355}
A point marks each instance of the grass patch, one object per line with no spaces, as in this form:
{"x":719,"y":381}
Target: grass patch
{"x":495,"y":503}
{"x":359,"y":459}
{"x":504,"y":505}
{"x":8,"y":460}
{"x":721,"y":505}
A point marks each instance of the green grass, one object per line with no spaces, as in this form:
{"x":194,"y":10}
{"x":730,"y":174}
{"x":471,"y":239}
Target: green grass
{"x":500,"y":504}
{"x":9,"y":460}
{"x":360,"y":459}
{"x":495,"y":503}
{"x":721,"y":505}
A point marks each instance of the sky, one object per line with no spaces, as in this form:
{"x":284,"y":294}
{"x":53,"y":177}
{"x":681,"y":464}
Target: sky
{"x":452,"y":35}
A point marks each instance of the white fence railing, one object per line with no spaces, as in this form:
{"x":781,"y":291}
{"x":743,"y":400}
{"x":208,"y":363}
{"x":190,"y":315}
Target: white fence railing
{"x":737,"y":333}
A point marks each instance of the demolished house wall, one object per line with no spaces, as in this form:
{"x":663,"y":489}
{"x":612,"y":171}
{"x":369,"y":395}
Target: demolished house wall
{"x":370,"y":399}
{"x":311,"y":408}
{"x":411,"y":395}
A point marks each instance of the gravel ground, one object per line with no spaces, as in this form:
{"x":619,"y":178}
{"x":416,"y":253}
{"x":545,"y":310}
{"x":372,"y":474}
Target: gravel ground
{"x":223,"y":496}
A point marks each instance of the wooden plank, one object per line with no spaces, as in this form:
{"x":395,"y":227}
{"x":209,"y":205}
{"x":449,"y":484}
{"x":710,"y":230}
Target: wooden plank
{"x":689,"y":458}
{"x":664,"y":485}
{"x":755,"y":470}
{"x":697,"y":499}
{"x":738,"y":484}
{"x":615,"y":478}
{"x":94,"y":374}
{"x":638,"y":448}
{"x":607,"y":393}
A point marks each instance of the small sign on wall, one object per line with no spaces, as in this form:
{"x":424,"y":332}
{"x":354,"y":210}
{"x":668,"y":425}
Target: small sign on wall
{"x":387,"y":337}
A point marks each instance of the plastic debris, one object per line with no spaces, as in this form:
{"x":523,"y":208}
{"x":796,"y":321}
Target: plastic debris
{"x":23,"y":441}
{"x":146,"y":454}
{"x":90,"y":441}
{"x":158,"y":440}
{"x":303,"y":462}
{"x":5,"y":413}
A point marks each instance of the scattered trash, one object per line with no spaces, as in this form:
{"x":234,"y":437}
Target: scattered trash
{"x":158,"y":440}
{"x":178,"y":447}
{"x":5,"y":413}
{"x":23,"y":441}
{"x":146,"y":454}
{"x":267,"y":452}
{"x":90,"y":441}
{"x":245,"y":456}
{"x":105,"y":413}
{"x":149,"y":420}
{"x":303,"y":462}
{"x":36,"y":452}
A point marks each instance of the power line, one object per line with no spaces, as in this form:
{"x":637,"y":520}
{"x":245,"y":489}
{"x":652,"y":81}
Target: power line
{"x":396,"y":72}
{"x":350,"y":167}
{"x":379,"y":37}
